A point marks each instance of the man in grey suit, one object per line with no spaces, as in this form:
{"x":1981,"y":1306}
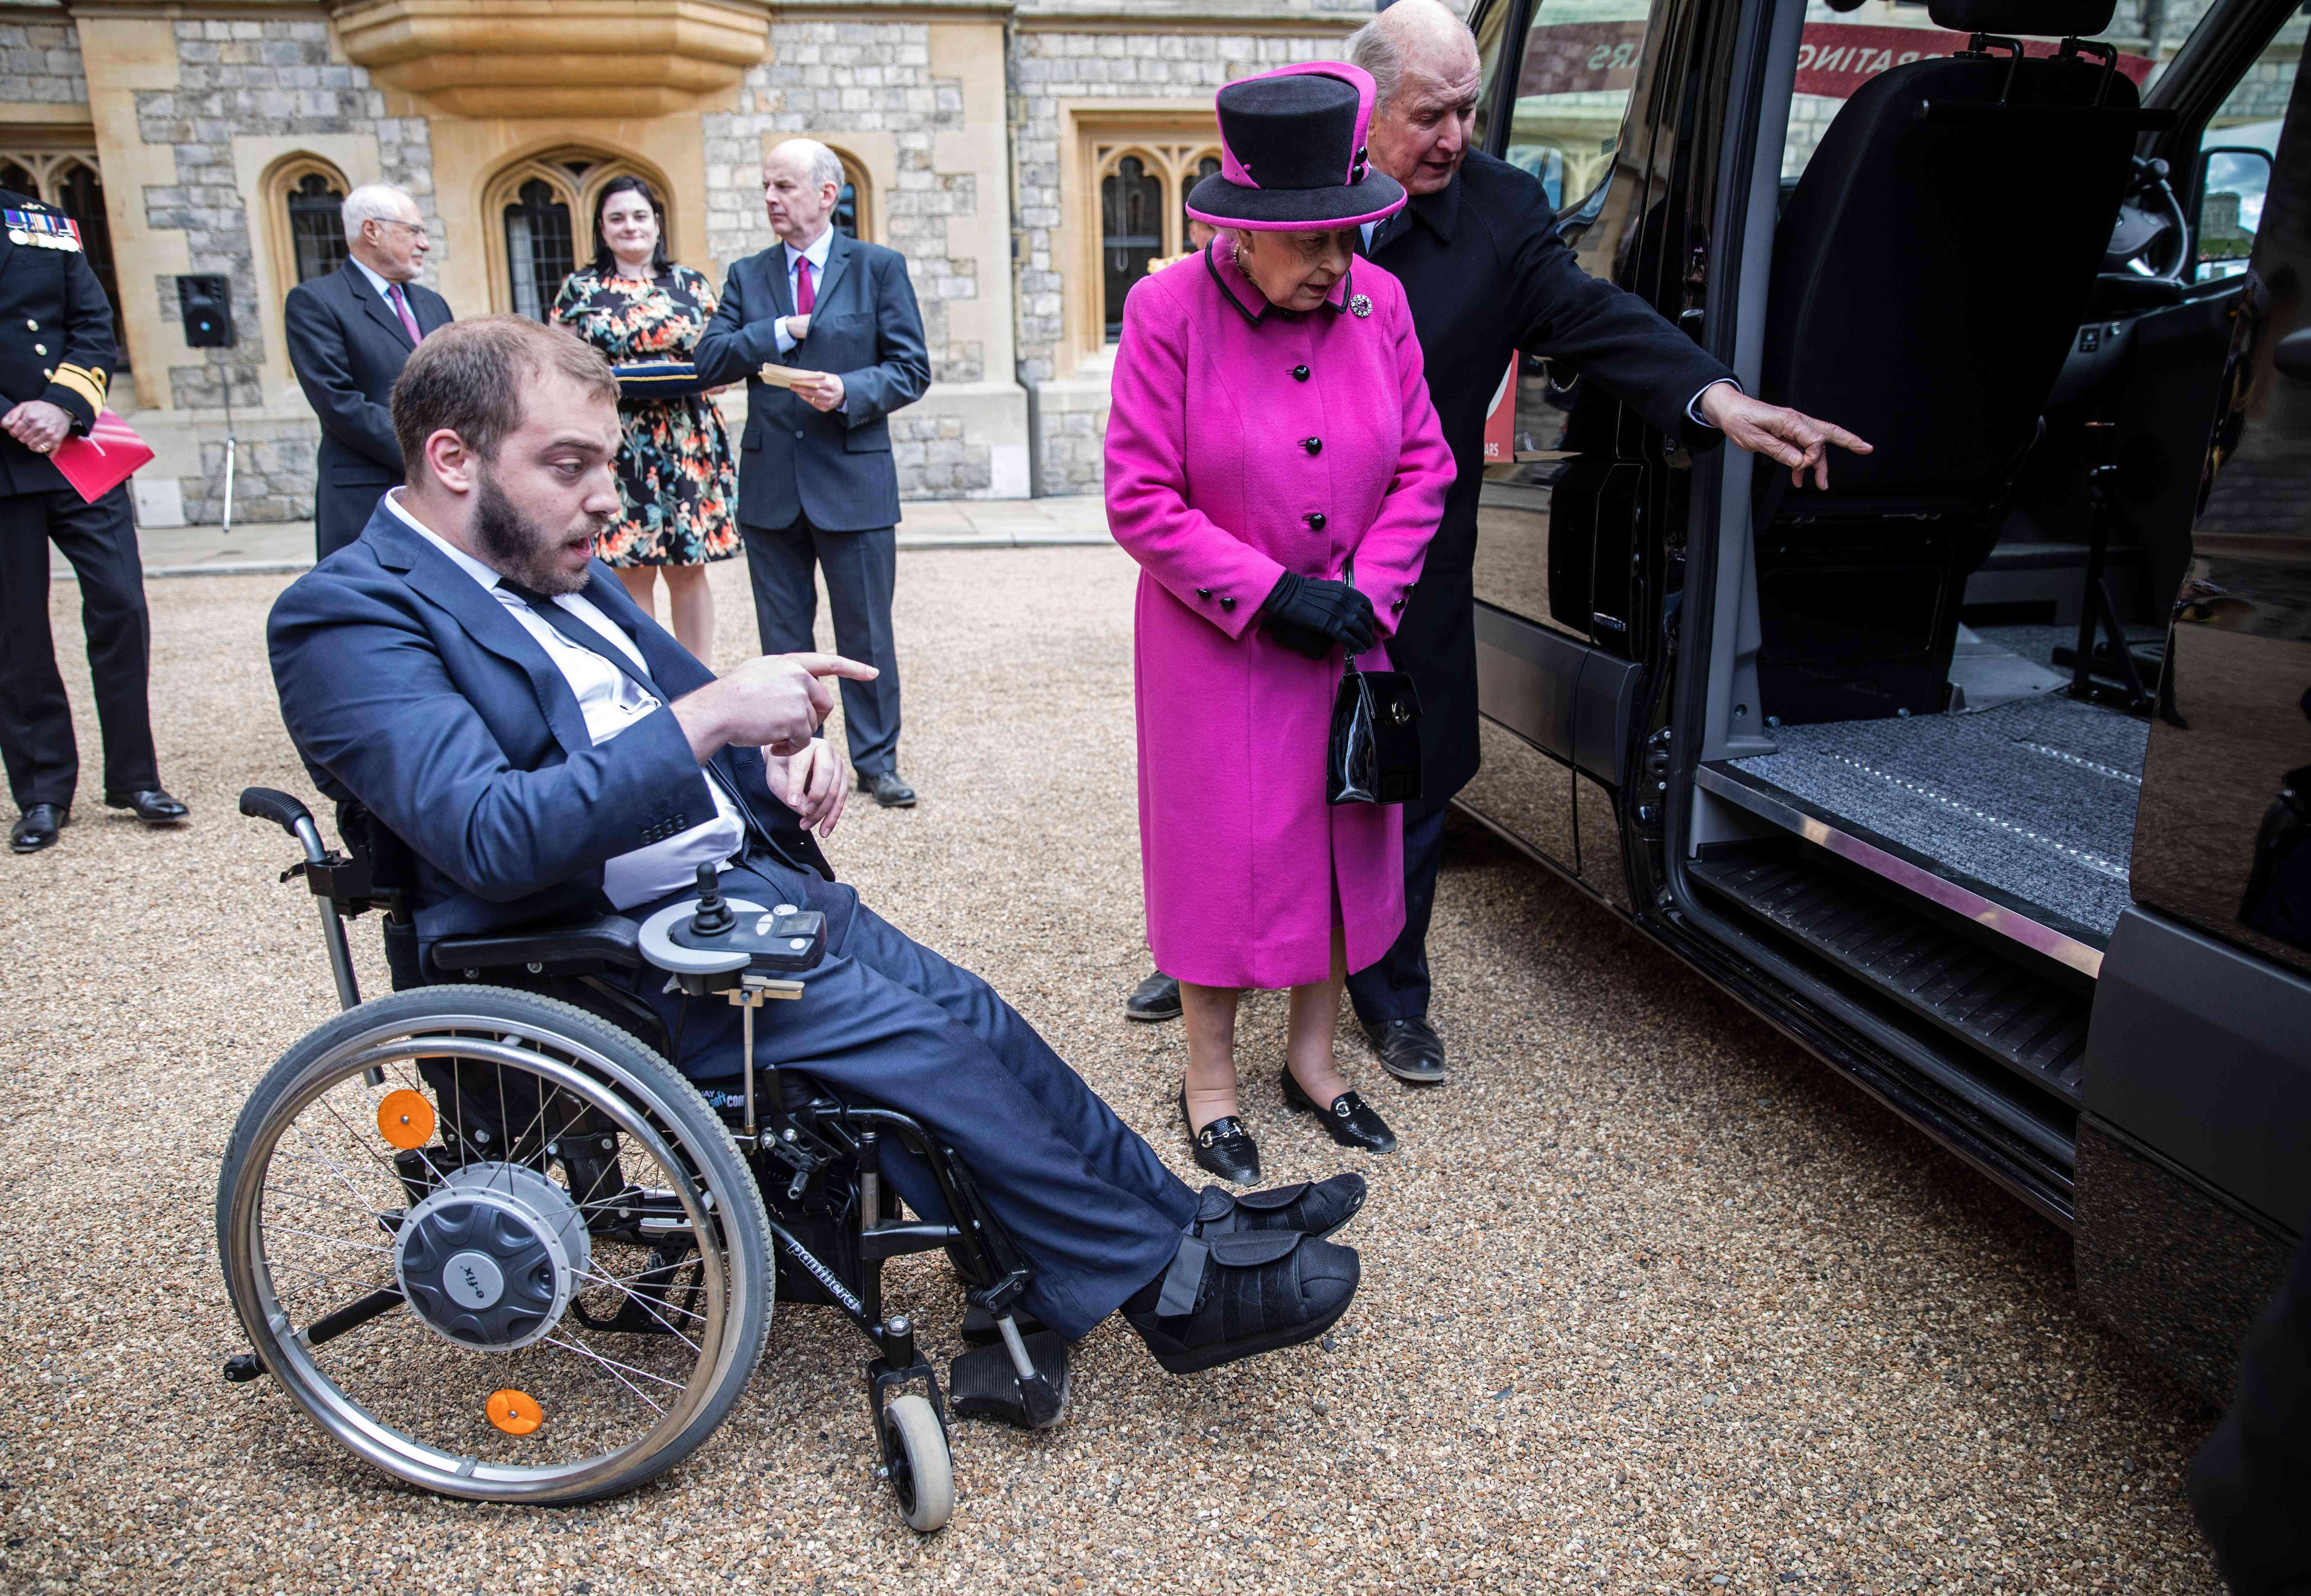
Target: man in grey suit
{"x":348,"y":335}
{"x":816,"y":485}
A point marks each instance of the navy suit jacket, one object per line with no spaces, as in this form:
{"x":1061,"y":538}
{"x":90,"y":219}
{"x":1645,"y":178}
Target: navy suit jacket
{"x":405,"y":684}
{"x":346,"y":346}
{"x":834,"y":467}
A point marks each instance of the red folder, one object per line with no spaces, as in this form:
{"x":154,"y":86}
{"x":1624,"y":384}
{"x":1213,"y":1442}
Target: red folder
{"x":104,"y":460}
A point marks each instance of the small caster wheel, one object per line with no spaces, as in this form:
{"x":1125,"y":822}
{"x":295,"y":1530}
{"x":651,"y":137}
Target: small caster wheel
{"x":922,"y":1473}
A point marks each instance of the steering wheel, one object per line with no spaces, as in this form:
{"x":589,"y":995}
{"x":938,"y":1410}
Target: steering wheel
{"x":2150,"y":238}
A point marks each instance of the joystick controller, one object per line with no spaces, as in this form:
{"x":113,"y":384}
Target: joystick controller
{"x":714,"y":917}
{"x":720,"y":935}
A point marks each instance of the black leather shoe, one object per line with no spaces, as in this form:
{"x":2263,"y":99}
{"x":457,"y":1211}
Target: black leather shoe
{"x":153,"y":805}
{"x":1348,"y":1122}
{"x":36,"y":828}
{"x":1223,"y":1147}
{"x":886,"y":789}
{"x":1238,"y":1296}
{"x":1316,"y":1209}
{"x":1409,"y":1050}
{"x":1155,"y":999}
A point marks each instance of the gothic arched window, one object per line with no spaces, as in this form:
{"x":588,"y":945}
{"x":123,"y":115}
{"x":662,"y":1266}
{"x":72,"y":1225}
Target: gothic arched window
{"x":537,"y":248}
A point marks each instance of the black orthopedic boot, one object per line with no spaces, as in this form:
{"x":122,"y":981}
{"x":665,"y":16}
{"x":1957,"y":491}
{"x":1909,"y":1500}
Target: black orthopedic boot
{"x":1242,"y":1294}
{"x":1313,"y":1208}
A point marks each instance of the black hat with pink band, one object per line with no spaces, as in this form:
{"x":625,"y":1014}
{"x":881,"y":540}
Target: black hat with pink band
{"x":1292,"y":153}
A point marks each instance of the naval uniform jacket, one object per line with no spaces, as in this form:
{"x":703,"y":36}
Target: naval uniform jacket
{"x":55,"y":334}
{"x":1487,"y":275}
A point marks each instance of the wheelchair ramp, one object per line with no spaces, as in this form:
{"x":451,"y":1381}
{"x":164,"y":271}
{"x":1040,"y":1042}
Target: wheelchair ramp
{"x":2035,"y":797}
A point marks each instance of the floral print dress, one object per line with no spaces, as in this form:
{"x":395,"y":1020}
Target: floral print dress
{"x":675,"y":471}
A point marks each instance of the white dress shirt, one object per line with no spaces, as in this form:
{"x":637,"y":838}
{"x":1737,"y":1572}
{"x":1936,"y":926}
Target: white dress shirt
{"x":817,"y":255}
{"x":381,"y":284}
{"x":1692,"y":406}
{"x":612,"y":702}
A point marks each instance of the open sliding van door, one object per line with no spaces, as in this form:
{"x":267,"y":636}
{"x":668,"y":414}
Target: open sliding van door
{"x":1598,"y":100}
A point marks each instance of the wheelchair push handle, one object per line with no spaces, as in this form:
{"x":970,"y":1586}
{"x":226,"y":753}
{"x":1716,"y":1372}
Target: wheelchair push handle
{"x":266,"y":803}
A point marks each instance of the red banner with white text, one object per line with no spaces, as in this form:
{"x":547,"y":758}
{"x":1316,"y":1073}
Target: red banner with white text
{"x":1836,"y":59}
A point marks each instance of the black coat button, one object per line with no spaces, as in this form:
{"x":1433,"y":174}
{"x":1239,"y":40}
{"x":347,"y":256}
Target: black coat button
{"x":798,"y":431}
{"x":1314,"y":446}
{"x":1227,"y":604}
{"x":1315,"y":517}
{"x":1203,"y":592}
{"x":1396,"y":604}
{"x":1299,"y":373}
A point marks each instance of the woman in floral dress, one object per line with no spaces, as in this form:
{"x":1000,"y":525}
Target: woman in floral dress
{"x":675,"y":471}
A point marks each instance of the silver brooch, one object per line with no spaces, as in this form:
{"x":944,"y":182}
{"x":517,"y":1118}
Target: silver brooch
{"x":1360,"y":306}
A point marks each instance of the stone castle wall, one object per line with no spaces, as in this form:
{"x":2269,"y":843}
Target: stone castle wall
{"x":236,"y":79}
{"x":1048,"y":67}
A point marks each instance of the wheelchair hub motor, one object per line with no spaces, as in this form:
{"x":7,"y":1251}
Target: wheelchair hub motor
{"x":491,"y":1259}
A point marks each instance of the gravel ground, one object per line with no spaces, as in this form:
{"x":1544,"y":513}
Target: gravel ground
{"x":1651,"y":1302}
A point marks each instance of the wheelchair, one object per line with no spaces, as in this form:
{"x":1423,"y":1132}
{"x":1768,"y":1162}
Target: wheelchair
{"x":484,"y":1235}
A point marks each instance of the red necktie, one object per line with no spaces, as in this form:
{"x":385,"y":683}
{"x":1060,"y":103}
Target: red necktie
{"x":805,"y":299}
{"x":401,"y":309}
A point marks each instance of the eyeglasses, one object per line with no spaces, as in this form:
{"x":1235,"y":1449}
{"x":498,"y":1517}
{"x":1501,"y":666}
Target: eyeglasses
{"x":417,"y":228}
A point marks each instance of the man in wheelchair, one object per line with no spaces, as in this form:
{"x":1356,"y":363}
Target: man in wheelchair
{"x":471,"y":676}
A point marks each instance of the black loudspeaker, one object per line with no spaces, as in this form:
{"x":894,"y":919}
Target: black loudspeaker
{"x":206,"y":302}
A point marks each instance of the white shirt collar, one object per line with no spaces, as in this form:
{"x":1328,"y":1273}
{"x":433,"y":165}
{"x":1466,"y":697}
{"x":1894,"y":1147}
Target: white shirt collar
{"x":464,"y":562}
{"x":378,"y":282}
{"x":815,"y":254}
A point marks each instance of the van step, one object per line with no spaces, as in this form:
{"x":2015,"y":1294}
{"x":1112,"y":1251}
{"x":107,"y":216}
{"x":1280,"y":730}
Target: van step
{"x":2033,"y":1023}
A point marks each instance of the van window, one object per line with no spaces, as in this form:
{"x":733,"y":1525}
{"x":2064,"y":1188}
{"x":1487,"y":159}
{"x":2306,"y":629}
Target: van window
{"x":1580,"y":65}
{"x":1840,"y":51}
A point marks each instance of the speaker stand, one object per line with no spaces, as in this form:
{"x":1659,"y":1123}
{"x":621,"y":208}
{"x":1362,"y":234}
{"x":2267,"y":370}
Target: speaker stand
{"x":231,"y":447}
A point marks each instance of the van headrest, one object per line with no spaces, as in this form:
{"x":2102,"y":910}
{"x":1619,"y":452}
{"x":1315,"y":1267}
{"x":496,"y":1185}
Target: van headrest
{"x":2078,"y":19}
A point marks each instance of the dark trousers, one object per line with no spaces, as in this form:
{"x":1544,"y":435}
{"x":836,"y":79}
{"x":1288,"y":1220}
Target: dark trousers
{"x":1397,"y":987}
{"x":862,"y":570}
{"x":884,"y":1019}
{"x":35,"y":728}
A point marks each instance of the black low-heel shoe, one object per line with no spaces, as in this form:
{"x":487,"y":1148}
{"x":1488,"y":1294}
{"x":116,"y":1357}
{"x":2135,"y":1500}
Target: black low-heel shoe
{"x":1223,"y":1147}
{"x":1348,"y":1121}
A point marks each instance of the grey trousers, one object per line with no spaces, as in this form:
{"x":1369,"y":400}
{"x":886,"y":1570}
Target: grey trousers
{"x":861,"y":570}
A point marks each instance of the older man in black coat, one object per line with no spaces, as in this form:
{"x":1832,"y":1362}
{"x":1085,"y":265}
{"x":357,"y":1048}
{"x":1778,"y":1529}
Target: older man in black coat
{"x":1485,"y":274}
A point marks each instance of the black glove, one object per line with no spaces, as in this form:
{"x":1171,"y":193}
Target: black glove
{"x":1310,"y":616}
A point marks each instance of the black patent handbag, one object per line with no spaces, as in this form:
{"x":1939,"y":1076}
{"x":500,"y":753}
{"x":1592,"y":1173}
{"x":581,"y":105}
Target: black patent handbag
{"x":1374,"y":753}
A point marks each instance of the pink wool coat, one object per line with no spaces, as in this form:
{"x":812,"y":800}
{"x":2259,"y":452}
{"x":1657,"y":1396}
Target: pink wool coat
{"x":1243,"y":442}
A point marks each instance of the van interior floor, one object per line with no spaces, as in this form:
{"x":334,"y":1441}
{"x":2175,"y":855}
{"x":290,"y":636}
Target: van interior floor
{"x":2027,"y":790}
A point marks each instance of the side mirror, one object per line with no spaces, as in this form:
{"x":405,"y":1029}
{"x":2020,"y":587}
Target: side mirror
{"x":2231,"y":183}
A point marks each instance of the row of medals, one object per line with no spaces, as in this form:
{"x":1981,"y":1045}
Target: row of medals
{"x":46,"y":240}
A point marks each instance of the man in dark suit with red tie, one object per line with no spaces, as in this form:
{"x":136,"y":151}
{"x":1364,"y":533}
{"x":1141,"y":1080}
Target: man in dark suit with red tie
{"x":348,"y":335}
{"x":817,"y":485}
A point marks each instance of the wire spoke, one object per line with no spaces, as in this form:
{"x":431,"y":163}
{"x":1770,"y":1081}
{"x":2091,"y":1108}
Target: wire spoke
{"x":643,"y":1396}
{"x":646,"y":1306}
{"x":315,"y":1236}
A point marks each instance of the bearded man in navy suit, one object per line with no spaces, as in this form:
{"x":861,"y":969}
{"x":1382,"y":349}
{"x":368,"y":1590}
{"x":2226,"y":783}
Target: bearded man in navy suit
{"x":475,"y":676}
{"x":816,"y":483}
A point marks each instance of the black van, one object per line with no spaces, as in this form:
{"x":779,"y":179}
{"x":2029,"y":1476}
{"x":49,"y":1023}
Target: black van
{"x":1985,"y":774}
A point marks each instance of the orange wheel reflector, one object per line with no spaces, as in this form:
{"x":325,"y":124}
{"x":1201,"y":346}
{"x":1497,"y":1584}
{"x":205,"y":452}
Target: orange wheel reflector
{"x":405,"y":1120}
{"x":515,"y":1412}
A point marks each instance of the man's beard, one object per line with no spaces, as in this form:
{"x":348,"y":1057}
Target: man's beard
{"x":521,"y":547}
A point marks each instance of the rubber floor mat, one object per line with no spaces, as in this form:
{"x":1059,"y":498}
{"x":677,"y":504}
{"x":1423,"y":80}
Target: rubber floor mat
{"x":2035,"y":797}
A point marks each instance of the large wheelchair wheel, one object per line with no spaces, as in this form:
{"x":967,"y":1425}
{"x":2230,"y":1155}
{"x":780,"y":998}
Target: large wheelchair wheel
{"x":496,"y":1245}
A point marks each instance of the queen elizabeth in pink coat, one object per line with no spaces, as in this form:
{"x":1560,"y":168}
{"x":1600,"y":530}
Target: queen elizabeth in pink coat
{"x":1270,"y":430}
